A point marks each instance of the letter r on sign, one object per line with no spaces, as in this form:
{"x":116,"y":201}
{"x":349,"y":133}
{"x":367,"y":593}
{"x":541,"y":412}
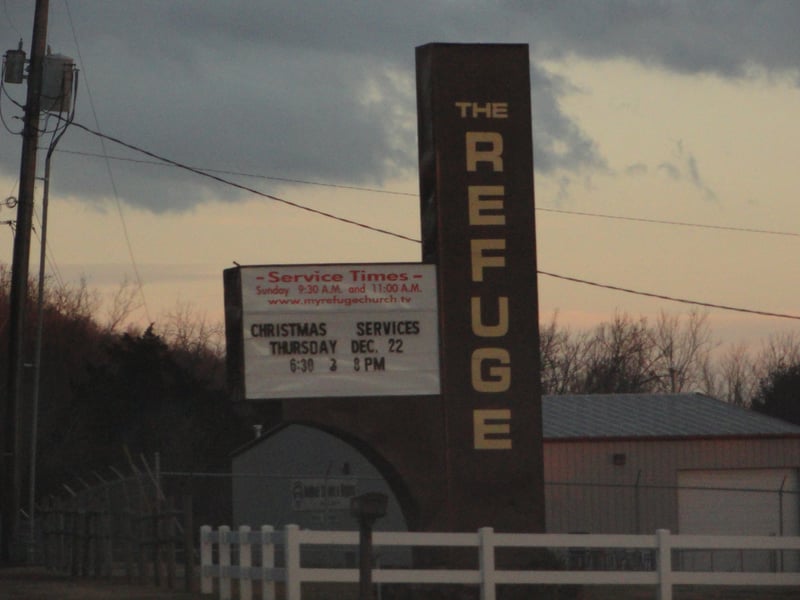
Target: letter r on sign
{"x":484,"y":147}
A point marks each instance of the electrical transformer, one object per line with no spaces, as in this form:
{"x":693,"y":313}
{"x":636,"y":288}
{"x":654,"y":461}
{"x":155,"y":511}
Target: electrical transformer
{"x":57,"y":75}
{"x":14,"y":71}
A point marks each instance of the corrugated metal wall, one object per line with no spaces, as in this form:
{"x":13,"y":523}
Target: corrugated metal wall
{"x":623,"y":486}
{"x":630,"y":486}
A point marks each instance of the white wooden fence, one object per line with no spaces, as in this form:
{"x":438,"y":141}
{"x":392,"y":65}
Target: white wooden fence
{"x":486,"y":540}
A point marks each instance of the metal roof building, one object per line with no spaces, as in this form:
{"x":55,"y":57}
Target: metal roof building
{"x":634,"y":463}
{"x":595,"y":416}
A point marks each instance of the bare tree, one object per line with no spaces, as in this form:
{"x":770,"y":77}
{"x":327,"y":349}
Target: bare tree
{"x":779,"y":351}
{"x":629,"y":355}
{"x":734,"y":379}
{"x":619,"y":358}
{"x":187,"y":330}
{"x":563,"y":356}
{"x":124,"y":302}
{"x":75,"y":301}
{"x":682,"y":352}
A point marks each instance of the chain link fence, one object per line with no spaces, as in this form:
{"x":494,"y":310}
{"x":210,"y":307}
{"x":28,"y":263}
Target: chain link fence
{"x":130,"y":522}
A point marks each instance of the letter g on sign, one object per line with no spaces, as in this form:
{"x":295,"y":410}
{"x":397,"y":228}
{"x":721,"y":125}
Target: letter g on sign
{"x":491,"y":370}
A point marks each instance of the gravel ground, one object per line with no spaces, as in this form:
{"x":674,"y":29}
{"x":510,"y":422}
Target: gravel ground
{"x":33,"y":583}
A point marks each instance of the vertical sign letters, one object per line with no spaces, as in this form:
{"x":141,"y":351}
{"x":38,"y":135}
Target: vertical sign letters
{"x":477,"y":207}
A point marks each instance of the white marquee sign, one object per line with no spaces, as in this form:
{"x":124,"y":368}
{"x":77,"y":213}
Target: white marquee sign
{"x":340,"y":330}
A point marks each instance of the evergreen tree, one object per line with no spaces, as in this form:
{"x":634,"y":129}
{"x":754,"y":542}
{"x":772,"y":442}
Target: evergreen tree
{"x":778,"y":394}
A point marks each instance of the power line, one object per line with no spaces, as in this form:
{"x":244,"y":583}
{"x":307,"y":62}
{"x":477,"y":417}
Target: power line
{"x":414,"y":194}
{"x":140,"y":161}
{"x":246,"y":188}
{"x":117,"y":202}
{"x":397,"y":235}
{"x":667,"y":222}
{"x":8,"y":18}
{"x":50,"y":257}
{"x":670,"y":298}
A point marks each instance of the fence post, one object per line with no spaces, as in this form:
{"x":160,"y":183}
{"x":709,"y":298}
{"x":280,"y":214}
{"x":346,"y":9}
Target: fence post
{"x":188,"y":543}
{"x":126,"y":530}
{"x":142,"y":534}
{"x":292,"y":552}
{"x":206,"y":560}
{"x":267,"y":562}
{"x":171,"y":516}
{"x":61,"y":547}
{"x":96,"y":533}
{"x":87,"y":543}
{"x":75,"y":543}
{"x":108,"y":543}
{"x":224,"y":562}
{"x":245,"y":562}
{"x":98,"y":525}
{"x":155,"y":520}
{"x":664,"y":564}
{"x":44,"y":529}
{"x":57,"y":539}
{"x":486,"y":562}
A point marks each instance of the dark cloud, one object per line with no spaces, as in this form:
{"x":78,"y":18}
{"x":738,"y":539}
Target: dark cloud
{"x":324,"y":91}
{"x":558,"y":142}
{"x":691,"y":170}
{"x":636,"y":169}
{"x":727,"y":38}
{"x":684,"y":167}
{"x":671,"y":170}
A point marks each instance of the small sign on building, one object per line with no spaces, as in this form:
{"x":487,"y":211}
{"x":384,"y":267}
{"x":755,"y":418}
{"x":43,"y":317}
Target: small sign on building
{"x":319,"y":494}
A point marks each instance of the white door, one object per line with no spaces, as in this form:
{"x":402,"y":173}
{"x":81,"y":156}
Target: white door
{"x":739,"y":502}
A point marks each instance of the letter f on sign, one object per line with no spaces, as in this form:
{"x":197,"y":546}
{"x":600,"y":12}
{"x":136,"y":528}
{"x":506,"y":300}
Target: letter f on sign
{"x":480,"y":260}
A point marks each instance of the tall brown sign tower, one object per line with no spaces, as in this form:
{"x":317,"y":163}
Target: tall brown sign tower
{"x":477,"y":203}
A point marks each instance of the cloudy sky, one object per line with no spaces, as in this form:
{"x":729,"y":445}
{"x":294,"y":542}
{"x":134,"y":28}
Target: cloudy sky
{"x":666,"y":137}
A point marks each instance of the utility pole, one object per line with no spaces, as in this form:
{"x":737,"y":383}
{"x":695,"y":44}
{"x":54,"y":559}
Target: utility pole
{"x":11,"y":483}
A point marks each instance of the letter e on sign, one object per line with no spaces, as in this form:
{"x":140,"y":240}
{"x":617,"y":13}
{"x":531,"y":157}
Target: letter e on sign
{"x":495,"y":423}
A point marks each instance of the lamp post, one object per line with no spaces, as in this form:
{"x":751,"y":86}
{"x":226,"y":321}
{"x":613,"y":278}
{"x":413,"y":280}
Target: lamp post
{"x":366,"y":508}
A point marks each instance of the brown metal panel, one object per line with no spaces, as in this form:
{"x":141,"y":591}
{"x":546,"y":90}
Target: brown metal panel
{"x":477,"y":206}
{"x":234,"y":341}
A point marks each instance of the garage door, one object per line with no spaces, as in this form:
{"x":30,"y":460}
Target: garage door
{"x":739,"y":502}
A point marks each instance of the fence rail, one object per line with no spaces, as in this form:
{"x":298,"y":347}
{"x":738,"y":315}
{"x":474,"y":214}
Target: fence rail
{"x":266,"y":543}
